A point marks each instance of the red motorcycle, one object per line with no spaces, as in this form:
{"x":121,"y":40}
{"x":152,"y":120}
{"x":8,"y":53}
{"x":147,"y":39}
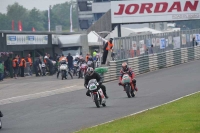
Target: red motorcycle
{"x":83,"y":69}
{"x":126,"y":81}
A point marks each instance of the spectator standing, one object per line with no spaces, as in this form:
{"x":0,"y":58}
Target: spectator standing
{"x":28,"y":59}
{"x":15,"y":65}
{"x":36,"y":65}
{"x":22,"y":65}
{"x":108,"y":47}
{"x":70,"y":62}
{"x":1,"y":71}
{"x":194,"y":42}
{"x":151,"y":49}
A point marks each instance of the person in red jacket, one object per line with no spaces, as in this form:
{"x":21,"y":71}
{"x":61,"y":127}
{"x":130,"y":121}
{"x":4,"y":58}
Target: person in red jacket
{"x":129,"y":71}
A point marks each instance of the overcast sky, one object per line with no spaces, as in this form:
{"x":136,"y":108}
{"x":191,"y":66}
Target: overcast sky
{"x":30,"y":4}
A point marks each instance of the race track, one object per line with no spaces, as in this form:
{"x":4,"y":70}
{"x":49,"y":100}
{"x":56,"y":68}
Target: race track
{"x":72,"y":111}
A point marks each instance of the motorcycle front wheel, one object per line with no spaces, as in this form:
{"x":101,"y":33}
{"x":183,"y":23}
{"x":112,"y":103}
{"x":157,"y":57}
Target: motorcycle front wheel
{"x":97,"y":101}
{"x":128,"y":91}
{"x":0,"y":123}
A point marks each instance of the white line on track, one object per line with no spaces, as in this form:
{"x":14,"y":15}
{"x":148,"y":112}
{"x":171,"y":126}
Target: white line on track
{"x":36,"y":95}
{"x":144,"y":110}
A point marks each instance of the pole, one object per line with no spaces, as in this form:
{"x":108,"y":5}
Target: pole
{"x":119,"y":30}
{"x":49,"y":24}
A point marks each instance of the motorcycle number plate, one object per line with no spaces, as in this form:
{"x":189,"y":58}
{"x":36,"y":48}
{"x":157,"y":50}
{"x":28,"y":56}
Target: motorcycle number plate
{"x":92,"y":86}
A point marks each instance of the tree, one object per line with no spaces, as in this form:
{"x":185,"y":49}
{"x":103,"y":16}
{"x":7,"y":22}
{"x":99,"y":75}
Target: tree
{"x":35,"y":20}
{"x":60,"y":15}
{"x":17,"y":12}
{"x":5,"y":22}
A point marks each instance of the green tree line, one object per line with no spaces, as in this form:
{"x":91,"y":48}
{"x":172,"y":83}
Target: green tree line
{"x":60,"y":15}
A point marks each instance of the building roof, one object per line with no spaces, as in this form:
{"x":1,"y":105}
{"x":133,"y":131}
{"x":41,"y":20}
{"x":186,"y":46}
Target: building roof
{"x":94,"y":39}
{"x":131,"y":32}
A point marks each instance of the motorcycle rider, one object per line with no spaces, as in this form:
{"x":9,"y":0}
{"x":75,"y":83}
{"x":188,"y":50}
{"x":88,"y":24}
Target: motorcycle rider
{"x":90,"y":62}
{"x":129,"y":71}
{"x":91,"y":74}
{"x":80,"y":62}
{"x":63,"y":60}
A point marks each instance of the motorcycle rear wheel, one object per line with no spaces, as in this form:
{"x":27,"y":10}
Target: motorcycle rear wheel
{"x":63,"y":75}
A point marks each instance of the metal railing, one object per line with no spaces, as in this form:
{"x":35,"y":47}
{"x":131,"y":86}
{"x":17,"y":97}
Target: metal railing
{"x":140,"y":45}
{"x":152,"y":62}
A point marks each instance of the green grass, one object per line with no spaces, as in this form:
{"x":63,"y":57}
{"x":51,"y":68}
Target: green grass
{"x":182,"y":116}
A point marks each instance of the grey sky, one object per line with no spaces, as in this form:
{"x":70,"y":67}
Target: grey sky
{"x":30,"y":4}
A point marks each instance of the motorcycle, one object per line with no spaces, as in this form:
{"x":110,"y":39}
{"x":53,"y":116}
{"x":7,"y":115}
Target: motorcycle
{"x":1,"y":115}
{"x":126,"y":81}
{"x":90,"y":64}
{"x":64,"y":70}
{"x":43,"y":66}
{"x":83,"y":69}
{"x":96,"y":93}
{"x":75,"y":69}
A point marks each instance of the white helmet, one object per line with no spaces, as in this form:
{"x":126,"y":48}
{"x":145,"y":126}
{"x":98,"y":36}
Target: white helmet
{"x":90,"y":71}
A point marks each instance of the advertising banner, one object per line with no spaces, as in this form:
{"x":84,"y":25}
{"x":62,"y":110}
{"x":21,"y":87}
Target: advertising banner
{"x":26,"y":39}
{"x":162,"y":43}
{"x":138,"y":11}
{"x":183,"y":39}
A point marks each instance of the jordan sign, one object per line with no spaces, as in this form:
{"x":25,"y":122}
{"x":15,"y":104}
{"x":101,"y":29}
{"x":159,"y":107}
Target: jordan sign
{"x":154,"y":11}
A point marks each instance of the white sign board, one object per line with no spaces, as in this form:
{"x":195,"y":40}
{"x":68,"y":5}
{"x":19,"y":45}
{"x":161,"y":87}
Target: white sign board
{"x":177,"y":42}
{"x":26,"y":39}
{"x":153,"y":11}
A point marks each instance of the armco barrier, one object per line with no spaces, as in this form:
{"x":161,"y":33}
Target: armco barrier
{"x":152,"y":62}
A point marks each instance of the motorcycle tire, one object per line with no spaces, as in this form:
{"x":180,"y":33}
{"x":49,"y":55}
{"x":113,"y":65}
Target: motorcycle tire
{"x":63,"y":75}
{"x":0,"y":124}
{"x":133,"y":93}
{"x":128,"y":91}
{"x":97,"y":101}
{"x":104,"y":105}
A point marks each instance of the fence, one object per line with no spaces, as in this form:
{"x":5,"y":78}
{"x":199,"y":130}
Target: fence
{"x":140,"y":45}
{"x":152,"y":62}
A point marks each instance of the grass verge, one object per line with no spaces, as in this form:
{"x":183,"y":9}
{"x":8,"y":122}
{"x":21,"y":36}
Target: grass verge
{"x":182,"y":116}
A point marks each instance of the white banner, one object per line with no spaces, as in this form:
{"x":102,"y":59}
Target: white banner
{"x":157,"y":41}
{"x":183,"y":39}
{"x":26,"y":39}
{"x":154,"y":11}
{"x":154,"y":42}
{"x":134,"y":45}
{"x":177,"y":42}
{"x":142,"y":46}
{"x":169,"y":39}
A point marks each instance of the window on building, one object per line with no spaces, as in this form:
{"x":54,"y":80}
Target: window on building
{"x":97,"y":16}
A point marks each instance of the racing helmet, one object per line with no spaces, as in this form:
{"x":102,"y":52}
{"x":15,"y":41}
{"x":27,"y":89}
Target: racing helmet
{"x":90,"y":71}
{"x":124,"y":66}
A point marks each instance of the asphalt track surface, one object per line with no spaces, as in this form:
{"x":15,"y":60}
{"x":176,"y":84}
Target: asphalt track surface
{"x":72,"y":111}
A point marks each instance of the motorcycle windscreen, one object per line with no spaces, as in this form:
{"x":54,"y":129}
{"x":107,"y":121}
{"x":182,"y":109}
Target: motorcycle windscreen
{"x":126,"y":79}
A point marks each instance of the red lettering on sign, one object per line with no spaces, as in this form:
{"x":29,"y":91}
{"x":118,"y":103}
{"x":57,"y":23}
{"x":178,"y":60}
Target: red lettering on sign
{"x":188,"y":4}
{"x":176,"y":6}
{"x":121,"y":9}
{"x":147,"y":7}
{"x":158,"y":6}
{"x":129,"y":7}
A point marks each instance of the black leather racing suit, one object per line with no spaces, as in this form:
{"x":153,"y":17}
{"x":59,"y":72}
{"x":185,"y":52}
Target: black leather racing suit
{"x":98,"y":78}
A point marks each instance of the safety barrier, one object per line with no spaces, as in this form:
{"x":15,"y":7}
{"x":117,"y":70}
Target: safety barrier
{"x":152,"y":62}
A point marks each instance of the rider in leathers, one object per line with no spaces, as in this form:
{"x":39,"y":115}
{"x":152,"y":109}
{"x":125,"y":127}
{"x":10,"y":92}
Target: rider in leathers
{"x":129,"y":71}
{"x":91,"y":74}
{"x":80,"y":62}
